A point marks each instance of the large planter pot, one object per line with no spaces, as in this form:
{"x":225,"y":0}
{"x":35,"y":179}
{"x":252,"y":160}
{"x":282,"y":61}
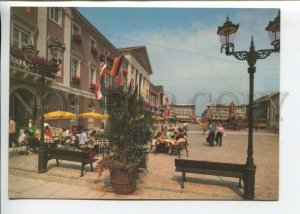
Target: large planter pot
{"x":123,"y":181}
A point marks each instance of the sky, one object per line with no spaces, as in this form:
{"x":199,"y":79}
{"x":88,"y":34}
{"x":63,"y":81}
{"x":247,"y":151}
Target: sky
{"x":184,"y":50}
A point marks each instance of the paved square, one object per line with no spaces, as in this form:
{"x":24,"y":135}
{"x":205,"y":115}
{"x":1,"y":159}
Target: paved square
{"x":159,"y":181}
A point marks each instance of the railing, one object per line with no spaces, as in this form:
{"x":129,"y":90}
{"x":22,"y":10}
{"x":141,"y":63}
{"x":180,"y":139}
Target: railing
{"x":18,"y":60}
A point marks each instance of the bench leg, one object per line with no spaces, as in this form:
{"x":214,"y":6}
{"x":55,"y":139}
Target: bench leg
{"x":82,"y":168}
{"x":240,"y":183}
{"x":57,"y":163}
{"x":182,"y":180}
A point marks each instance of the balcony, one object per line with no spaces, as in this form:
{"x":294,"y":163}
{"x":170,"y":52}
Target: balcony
{"x":19,"y":69}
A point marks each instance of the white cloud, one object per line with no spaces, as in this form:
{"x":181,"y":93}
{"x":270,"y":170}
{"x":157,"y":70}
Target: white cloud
{"x":188,"y":61}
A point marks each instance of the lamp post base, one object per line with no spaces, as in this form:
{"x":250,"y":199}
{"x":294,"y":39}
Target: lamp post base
{"x":42,"y":158}
{"x":249,"y":182}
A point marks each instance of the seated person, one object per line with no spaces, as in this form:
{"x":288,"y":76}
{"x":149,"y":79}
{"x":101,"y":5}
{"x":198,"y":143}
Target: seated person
{"x":63,"y":134}
{"x":178,"y":140}
{"x":93,"y":135}
{"x":48,"y":135}
{"x":161,"y":142}
{"x":83,"y":138}
{"x":23,"y":138}
{"x":33,"y":141}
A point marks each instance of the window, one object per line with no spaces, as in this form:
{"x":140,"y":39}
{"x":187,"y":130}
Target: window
{"x":21,"y":37}
{"x":73,"y":108}
{"x":91,"y":107}
{"x":106,"y":52}
{"x":75,"y":67}
{"x":92,"y":74}
{"x":76,"y":30}
{"x":93,"y":42}
{"x":55,"y":15}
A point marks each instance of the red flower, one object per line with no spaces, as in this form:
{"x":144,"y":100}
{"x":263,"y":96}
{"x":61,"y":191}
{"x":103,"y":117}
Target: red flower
{"x":94,"y":50}
{"x":101,"y":57}
{"x":76,"y":79}
{"x":77,"y":38}
{"x":92,"y":86}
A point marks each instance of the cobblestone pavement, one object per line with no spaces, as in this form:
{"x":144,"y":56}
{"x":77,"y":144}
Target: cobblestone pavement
{"x":159,"y":181}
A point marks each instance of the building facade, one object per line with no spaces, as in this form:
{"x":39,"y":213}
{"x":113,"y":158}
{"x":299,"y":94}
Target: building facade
{"x":72,"y":88}
{"x":229,"y":115}
{"x":183,"y":112}
{"x":138,"y":70}
{"x":266,"y":111}
{"x":156,"y":94}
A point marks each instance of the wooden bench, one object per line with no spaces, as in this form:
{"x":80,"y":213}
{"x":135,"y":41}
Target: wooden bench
{"x":84,"y":157}
{"x":209,"y":168}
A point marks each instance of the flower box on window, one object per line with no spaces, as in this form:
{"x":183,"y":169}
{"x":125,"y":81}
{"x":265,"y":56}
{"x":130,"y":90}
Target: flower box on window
{"x":102,"y":57}
{"x":77,"y":38}
{"x":94,"y":50}
{"x":110,"y":59}
{"x":17,"y":52}
{"x":76,"y":79}
{"x":92,"y":86}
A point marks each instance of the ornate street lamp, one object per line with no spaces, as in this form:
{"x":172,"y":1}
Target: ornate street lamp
{"x":227,"y":33}
{"x":56,"y":50}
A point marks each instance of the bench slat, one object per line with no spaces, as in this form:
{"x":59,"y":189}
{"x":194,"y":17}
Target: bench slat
{"x":208,"y":165}
{"x":212,"y":172}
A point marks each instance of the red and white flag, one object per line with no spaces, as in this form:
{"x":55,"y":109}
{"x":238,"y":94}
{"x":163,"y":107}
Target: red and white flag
{"x":99,"y":89}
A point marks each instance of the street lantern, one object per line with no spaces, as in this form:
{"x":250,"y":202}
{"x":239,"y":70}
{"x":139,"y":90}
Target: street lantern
{"x":56,"y":50}
{"x":274,"y":32}
{"x":227,"y":33}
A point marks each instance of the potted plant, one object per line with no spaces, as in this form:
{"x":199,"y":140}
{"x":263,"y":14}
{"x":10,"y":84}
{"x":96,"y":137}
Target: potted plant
{"x":128,"y":128}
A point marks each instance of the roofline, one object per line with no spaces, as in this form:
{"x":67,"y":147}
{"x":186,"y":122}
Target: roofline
{"x":132,"y":50}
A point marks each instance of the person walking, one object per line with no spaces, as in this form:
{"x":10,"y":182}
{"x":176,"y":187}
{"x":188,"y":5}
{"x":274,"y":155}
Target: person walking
{"x":211,"y":135}
{"x":220,"y":133}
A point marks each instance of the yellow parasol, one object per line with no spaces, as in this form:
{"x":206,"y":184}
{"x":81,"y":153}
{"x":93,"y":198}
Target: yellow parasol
{"x":105,"y":116}
{"x":57,"y":115}
{"x":93,"y":115}
{"x":158,"y":118}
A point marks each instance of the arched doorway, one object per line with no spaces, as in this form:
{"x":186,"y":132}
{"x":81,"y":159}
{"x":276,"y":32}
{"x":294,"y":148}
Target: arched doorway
{"x":23,"y":106}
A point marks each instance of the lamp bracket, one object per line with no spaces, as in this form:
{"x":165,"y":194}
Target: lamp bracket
{"x":240,"y":55}
{"x":264,"y":53}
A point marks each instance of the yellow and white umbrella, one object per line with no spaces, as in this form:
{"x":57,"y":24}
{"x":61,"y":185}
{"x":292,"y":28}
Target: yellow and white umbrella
{"x":92,"y":115}
{"x":58,"y":115}
{"x":157,"y":118}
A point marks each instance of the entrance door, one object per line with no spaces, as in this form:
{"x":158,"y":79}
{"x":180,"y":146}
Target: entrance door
{"x":22,"y":107}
